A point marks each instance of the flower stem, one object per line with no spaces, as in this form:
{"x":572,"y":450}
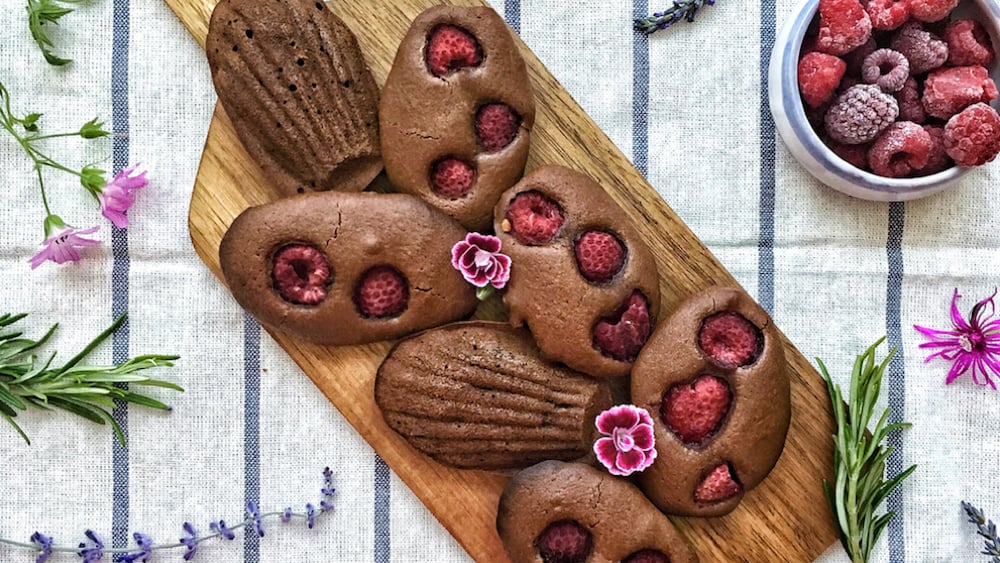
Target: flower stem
{"x":41,"y":186}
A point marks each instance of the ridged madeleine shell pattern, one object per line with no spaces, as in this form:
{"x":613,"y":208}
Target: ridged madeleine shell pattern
{"x":292,"y":79}
{"x":478,"y":395}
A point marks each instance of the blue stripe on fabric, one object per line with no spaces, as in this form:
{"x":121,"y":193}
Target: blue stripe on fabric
{"x":383,"y":530}
{"x":640,"y":92}
{"x":512,"y":13}
{"x":765,"y":241}
{"x":897,"y":374}
{"x":251,"y":429}
{"x":120,"y":268}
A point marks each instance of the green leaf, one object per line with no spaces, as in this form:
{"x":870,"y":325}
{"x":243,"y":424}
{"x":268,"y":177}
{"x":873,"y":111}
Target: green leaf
{"x":93,"y":129}
{"x":10,"y":419}
{"x":40,"y":13}
{"x":30,"y":122}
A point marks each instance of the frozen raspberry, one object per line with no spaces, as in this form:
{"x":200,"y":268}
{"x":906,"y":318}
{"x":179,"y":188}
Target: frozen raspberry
{"x":860,"y":114}
{"x":843,"y":26}
{"x":564,"y":541}
{"x":452,"y":178}
{"x":911,"y":108}
{"x":888,"y":14}
{"x":719,"y":485}
{"x":451,"y":48}
{"x":695,"y":411}
{"x":496,"y":126}
{"x":621,"y":335}
{"x":923,"y":49}
{"x":972,"y":137}
{"x":855,"y":155}
{"x":533,"y":218}
{"x":599,"y":255}
{"x":730,"y":340}
{"x":901,"y":149}
{"x":886,"y":69}
{"x":857,"y":57}
{"x":937,"y":159}
{"x":950,"y":90}
{"x":932,"y":10}
{"x":647,"y":556}
{"x":968,"y":44}
{"x":382,"y":293}
{"x":301,"y":274}
{"x":819,"y":76}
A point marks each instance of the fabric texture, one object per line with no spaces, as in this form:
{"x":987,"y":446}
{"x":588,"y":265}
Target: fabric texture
{"x":686,"y":105}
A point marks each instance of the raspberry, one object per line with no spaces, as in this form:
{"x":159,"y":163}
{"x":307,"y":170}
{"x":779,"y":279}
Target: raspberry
{"x":647,"y":556}
{"x":718,"y":485}
{"x":623,"y":334}
{"x":533,"y":218}
{"x":816,"y":115}
{"x":923,"y":49}
{"x":730,"y":340}
{"x":855,"y":155}
{"x":564,"y":541}
{"x":599,"y":255}
{"x":901,"y":149}
{"x":843,"y":26}
{"x":301,"y":274}
{"x":950,"y":90}
{"x":932,"y":10}
{"x":968,"y":44}
{"x":382,"y":293}
{"x":694,"y":411}
{"x":888,"y":14}
{"x":972,"y":137}
{"x":496,"y":126}
{"x":910,"y":106}
{"x":886,"y":69}
{"x":938,"y":159}
{"x":860,"y":114}
{"x":857,"y":57}
{"x":452,"y":178}
{"x":819,"y":76}
{"x":451,"y":48}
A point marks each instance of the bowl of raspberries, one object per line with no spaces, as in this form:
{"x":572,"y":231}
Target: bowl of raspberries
{"x":888,"y":100}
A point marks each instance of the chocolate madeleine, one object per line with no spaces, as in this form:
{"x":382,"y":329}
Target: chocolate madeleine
{"x":457,"y":112}
{"x":582,"y":278}
{"x":558,"y":511}
{"x":715,"y":378}
{"x":346,"y":268}
{"x":478,"y":395}
{"x":293,"y":81}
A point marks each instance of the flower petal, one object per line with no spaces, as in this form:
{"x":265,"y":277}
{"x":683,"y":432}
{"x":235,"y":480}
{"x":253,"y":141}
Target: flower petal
{"x":621,"y":416}
{"x":606,"y":452}
{"x":457,"y":252}
{"x":630,"y":461}
{"x":642,"y":434}
{"x":488,"y":243}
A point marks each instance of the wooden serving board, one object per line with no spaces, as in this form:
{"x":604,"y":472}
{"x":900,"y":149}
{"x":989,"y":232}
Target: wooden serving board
{"x":784,"y":520}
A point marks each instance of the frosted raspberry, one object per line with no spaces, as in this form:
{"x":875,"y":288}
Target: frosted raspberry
{"x":382,"y":293}
{"x":900,"y":150}
{"x":858,"y":115}
{"x":932,"y":10}
{"x":301,"y":274}
{"x":843,"y":26}
{"x":452,"y":178}
{"x":451,"y":48}
{"x":888,"y":14}
{"x":937,"y":159}
{"x":855,"y":155}
{"x":730,"y":340}
{"x":968,"y":44}
{"x":819,"y":76}
{"x":695,"y":411}
{"x":857,"y":57}
{"x":886,"y":69}
{"x":599,"y":255}
{"x":950,"y":90}
{"x":923,"y":49}
{"x":719,"y":485}
{"x":621,"y":335}
{"x":565,"y":541}
{"x":647,"y":556}
{"x":911,"y":108}
{"x":496,"y":126}
{"x":533,"y":218}
{"x":972,"y":137}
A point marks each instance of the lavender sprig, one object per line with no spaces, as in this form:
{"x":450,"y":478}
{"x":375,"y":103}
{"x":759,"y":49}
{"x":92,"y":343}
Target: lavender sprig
{"x":94,"y":550}
{"x":681,"y":10}
{"x":985,"y":528}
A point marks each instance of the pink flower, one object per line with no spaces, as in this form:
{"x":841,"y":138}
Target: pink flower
{"x":63,"y":246}
{"x":973,"y":345}
{"x":118,"y":195}
{"x":479,"y":259}
{"x":627,"y":444}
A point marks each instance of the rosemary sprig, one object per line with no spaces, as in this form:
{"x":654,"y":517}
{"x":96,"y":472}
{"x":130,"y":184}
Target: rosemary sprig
{"x":985,"y":528}
{"x":84,"y":390}
{"x":681,"y":10}
{"x":41,"y":12}
{"x":859,"y":457}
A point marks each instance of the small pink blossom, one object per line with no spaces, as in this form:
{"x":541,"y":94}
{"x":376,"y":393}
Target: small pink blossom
{"x":64,"y":245}
{"x":118,"y":195}
{"x":627,"y":444}
{"x":973,"y":346}
{"x":479,"y":259}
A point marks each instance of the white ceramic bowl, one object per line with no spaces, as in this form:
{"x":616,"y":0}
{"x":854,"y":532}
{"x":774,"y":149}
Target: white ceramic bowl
{"x":806,"y":146}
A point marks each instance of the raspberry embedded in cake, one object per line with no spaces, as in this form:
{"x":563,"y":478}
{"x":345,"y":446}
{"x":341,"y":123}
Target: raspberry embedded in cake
{"x":647,"y":556}
{"x":695,"y":411}
{"x":452,"y":48}
{"x":564,"y":541}
{"x":301,"y":274}
{"x":599,"y":256}
{"x":382,"y":293}
{"x":720,"y":484}
{"x":452,"y":178}
{"x":533,"y":218}
{"x":496,"y":126}
{"x":730,"y":340}
{"x":622,"y":335}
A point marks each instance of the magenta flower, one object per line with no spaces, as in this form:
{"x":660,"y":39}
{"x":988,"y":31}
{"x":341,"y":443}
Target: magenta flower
{"x":64,"y":245}
{"x":627,"y":444}
{"x":118,"y":195}
{"x":973,"y":345}
{"x":479,"y":259}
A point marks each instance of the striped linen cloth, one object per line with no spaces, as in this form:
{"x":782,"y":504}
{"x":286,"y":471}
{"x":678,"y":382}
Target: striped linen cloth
{"x":687,"y":105}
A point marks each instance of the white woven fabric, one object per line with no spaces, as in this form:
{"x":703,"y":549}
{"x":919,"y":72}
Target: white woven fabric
{"x":699,"y":134}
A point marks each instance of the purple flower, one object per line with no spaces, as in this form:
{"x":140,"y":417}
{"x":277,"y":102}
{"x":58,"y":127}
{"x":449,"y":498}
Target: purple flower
{"x":64,"y":245}
{"x":145,"y":553}
{"x":310,"y":515}
{"x":254,"y":514}
{"x":221,"y":529}
{"x":94,"y":553}
{"x":479,"y":259}
{"x":118,"y":195}
{"x":973,"y":346}
{"x":286,"y":516}
{"x":627,"y":444}
{"x":44,"y":544}
{"x":190,"y":541}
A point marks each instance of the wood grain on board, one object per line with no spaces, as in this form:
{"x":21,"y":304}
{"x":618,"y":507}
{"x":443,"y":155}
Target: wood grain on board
{"x":783,"y":520}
